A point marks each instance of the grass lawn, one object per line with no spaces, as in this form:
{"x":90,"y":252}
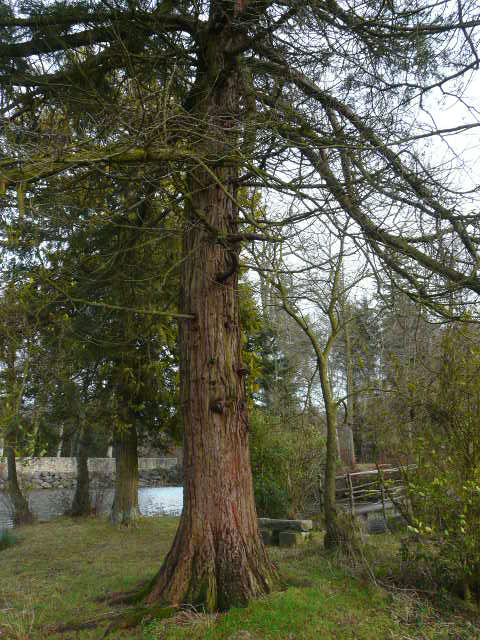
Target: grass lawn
{"x":59,"y":569}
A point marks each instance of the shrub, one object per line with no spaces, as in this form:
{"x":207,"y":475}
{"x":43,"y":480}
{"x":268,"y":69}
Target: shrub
{"x":268,"y":457}
{"x":286,"y":463}
{"x":444,"y":490}
{"x":8,"y":539}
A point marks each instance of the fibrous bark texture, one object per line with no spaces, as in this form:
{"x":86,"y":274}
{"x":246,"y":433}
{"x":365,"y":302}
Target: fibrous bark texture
{"x":217,"y":559}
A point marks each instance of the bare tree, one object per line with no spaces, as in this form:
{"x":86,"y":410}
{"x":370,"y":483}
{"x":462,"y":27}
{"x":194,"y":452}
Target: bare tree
{"x":321,"y":288}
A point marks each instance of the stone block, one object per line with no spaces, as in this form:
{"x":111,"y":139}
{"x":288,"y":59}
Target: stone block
{"x":266,"y":536}
{"x":285,"y":525}
{"x":376,"y":525}
{"x":293,"y":538}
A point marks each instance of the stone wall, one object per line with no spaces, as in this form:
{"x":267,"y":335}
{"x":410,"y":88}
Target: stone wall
{"x":60,"y":473}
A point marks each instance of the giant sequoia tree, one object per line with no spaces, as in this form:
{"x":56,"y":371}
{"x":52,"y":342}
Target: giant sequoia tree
{"x":316,"y":101}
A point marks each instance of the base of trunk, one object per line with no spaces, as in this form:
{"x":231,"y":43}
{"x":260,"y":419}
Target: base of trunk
{"x":125,"y":518}
{"x":21,"y":513}
{"x":342,"y":533}
{"x":214,"y":574}
{"x":81,"y":505}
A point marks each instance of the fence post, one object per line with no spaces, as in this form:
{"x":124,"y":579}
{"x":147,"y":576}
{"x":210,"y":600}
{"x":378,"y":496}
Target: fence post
{"x":320,"y":490}
{"x":382,"y":494}
{"x":350,"y":488}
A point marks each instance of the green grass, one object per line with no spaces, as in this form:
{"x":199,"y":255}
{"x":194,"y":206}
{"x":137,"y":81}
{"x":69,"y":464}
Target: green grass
{"x":60,"y":568}
{"x":324,"y":600}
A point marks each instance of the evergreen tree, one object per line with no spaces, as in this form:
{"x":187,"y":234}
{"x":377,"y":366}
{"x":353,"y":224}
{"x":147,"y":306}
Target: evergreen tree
{"x":231,"y":93}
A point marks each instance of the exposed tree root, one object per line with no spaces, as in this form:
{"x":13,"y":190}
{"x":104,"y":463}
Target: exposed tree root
{"x":133,"y":617}
{"x":125,"y":619}
{"x":87,"y":624}
{"x":74,"y":626}
{"x":127,"y":597}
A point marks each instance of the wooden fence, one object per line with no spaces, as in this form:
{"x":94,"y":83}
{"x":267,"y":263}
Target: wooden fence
{"x":380,"y":489}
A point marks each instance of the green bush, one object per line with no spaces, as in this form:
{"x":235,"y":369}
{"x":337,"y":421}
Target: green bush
{"x":268,"y":457}
{"x":286,"y":462}
{"x":444,"y":489}
{"x":446,"y":525}
{"x":8,"y":539}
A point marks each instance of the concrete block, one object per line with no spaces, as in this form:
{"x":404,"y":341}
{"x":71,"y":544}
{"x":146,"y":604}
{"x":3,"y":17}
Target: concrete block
{"x":285,"y":525}
{"x":292,"y":538}
{"x":376,"y":525}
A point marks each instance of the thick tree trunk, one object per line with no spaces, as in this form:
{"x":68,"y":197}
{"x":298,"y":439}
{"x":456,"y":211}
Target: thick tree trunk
{"x":81,"y":505}
{"x":21,"y":511}
{"x":125,"y":504}
{"x":217,"y":559}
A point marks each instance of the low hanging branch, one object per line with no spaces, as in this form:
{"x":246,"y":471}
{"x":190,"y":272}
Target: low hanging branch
{"x":118,"y":307}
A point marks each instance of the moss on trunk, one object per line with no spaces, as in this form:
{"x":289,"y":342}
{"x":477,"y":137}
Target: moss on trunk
{"x":21,"y":510}
{"x":81,"y":505}
{"x":125,"y":503}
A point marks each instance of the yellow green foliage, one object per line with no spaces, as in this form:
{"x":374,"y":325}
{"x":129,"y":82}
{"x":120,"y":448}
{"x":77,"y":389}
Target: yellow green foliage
{"x":445,"y":488}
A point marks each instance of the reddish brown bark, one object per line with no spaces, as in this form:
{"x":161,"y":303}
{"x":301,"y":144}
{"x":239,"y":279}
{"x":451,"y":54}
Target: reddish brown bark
{"x":217,"y":558}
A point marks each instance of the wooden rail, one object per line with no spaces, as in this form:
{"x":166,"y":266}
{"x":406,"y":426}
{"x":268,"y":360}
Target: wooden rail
{"x":367,"y":491}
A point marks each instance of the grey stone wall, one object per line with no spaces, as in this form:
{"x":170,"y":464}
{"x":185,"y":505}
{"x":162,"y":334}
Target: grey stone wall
{"x":60,"y":473}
